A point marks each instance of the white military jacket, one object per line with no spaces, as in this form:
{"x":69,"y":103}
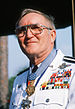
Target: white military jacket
{"x":55,"y":89}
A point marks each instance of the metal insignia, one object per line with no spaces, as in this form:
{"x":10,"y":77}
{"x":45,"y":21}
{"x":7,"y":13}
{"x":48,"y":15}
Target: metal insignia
{"x":64,"y":65}
{"x":26,"y":103}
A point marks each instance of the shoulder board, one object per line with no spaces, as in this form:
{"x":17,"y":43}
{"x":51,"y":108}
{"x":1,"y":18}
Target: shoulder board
{"x":22,"y":71}
{"x":69,"y":59}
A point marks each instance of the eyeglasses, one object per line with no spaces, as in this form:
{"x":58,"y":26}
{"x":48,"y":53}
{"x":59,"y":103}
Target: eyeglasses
{"x":34,"y":29}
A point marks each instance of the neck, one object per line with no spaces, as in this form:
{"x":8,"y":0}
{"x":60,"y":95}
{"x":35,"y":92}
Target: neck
{"x":37,"y":59}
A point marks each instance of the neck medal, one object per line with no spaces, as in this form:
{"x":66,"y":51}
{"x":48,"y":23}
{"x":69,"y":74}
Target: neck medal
{"x":31,"y":88}
{"x":26,"y":103}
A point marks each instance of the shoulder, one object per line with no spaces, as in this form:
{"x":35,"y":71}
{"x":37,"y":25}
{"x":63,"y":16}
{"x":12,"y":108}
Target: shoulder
{"x":69,"y":59}
{"x":62,"y":57}
{"x":25,"y":70}
{"x":70,"y":66}
{"x":21,"y":77}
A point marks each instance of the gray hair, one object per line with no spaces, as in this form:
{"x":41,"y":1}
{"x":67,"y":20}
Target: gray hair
{"x":49,"y":18}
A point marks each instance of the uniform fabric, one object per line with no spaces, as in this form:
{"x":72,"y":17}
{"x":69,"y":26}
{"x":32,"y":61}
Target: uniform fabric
{"x":55,"y":89}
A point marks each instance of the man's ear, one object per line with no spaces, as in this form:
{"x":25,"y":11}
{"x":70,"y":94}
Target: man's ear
{"x":53,"y":35}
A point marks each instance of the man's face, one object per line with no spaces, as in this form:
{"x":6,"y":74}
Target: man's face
{"x":35,"y":44}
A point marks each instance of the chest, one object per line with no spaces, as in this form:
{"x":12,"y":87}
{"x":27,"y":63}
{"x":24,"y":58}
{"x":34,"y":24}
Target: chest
{"x":53,"y":88}
{"x":51,"y":91}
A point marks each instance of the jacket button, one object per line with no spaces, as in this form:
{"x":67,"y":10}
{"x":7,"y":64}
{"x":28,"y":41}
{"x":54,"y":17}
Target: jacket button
{"x":47,"y":100}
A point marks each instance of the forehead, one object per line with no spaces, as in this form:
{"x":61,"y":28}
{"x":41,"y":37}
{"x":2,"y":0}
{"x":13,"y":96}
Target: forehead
{"x":32,"y":18}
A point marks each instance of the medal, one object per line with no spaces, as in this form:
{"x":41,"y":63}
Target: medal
{"x":31,"y":88}
{"x":26,"y":103}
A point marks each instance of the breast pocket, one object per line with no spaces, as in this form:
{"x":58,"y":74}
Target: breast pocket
{"x":51,"y":98}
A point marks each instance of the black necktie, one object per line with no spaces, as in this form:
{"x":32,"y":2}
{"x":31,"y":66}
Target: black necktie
{"x":34,"y":69}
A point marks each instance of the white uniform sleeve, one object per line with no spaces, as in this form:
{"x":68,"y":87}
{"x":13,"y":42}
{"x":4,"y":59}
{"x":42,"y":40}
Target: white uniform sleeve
{"x":71,"y":102}
{"x":13,"y":93}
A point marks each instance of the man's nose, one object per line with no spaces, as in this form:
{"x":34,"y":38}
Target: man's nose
{"x":29,"y":33}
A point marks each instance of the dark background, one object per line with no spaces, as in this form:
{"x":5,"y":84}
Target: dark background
{"x":10,"y":11}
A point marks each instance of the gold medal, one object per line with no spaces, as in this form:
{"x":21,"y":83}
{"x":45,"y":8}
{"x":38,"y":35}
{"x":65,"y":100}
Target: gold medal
{"x":31,"y":88}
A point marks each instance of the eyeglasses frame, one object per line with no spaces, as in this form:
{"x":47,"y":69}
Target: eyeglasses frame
{"x":28,"y":26}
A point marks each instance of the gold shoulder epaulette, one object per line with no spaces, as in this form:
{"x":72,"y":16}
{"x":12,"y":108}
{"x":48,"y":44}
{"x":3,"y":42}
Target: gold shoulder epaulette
{"x":22,"y":71}
{"x":69,"y":59}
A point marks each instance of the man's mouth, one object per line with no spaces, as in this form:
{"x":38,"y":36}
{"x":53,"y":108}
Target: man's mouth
{"x":30,"y":42}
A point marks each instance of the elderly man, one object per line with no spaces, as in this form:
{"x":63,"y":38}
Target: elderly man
{"x":48,"y":82}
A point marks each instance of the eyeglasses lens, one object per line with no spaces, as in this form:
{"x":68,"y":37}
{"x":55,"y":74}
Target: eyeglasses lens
{"x":36,"y":29}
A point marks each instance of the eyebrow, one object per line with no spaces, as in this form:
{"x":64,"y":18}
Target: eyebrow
{"x":26,"y":25}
